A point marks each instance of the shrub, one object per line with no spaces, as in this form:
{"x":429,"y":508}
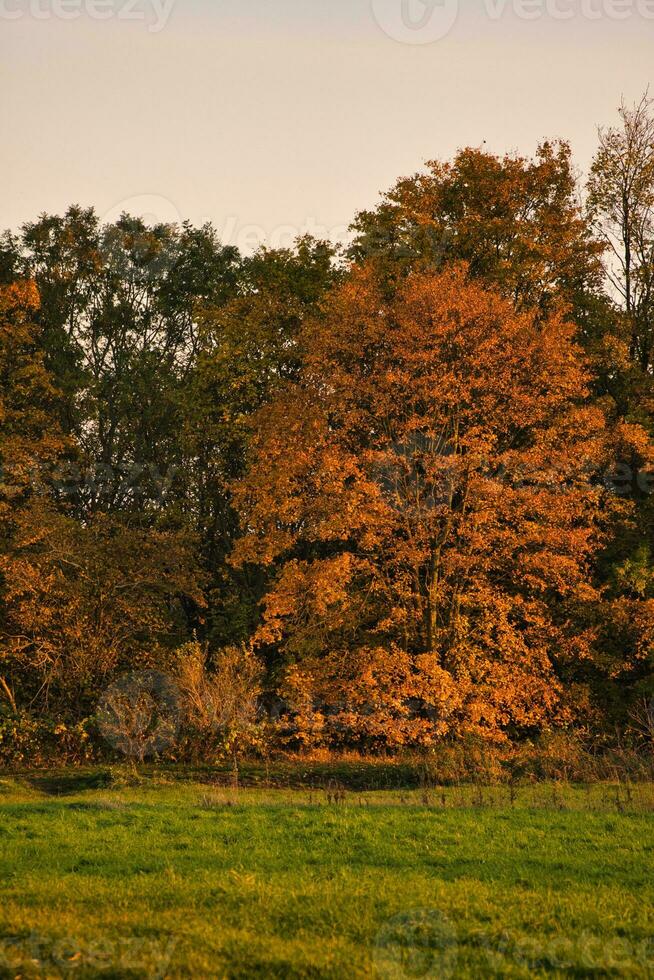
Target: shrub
{"x":26,"y":741}
{"x":220,"y":698}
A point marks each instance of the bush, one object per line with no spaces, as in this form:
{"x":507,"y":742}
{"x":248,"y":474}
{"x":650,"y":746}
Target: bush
{"x":220,"y":699}
{"x":26,"y":741}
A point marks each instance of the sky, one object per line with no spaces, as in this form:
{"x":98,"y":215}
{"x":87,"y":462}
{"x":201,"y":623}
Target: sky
{"x":274,"y":117}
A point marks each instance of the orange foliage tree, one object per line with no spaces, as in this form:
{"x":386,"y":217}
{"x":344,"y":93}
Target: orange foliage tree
{"x":31,"y":443}
{"x":83,"y":602}
{"x":30,"y":440}
{"x":515,"y":221}
{"x":424,"y":496}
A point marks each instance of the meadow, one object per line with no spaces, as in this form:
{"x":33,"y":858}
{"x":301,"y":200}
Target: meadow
{"x":157,"y":877}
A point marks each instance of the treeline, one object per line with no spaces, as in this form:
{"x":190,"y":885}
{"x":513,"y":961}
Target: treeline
{"x":405,"y":491}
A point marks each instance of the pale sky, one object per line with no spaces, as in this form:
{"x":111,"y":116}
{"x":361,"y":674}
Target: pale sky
{"x":278,"y":116}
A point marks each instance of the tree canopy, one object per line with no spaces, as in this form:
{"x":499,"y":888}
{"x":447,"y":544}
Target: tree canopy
{"x":407,"y":486}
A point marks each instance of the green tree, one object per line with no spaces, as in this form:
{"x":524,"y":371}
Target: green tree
{"x":120,"y":332}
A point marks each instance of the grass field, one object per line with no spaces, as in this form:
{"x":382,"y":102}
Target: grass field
{"x":172,"y":879}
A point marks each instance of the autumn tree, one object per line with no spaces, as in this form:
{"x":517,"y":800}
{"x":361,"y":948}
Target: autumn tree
{"x":31,"y":444}
{"x":515,"y":221}
{"x":423,"y":497}
{"x":83,"y":603}
{"x":248,"y":348}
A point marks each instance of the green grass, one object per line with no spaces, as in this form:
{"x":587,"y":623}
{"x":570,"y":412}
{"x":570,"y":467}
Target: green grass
{"x":180,"y":879}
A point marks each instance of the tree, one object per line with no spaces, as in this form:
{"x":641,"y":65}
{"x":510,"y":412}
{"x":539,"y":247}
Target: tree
{"x":119,"y":317}
{"x":422,"y":497}
{"x":515,"y":221}
{"x":82,"y":603}
{"x":247,"y":349}
{"x":621,"y":209}
{"x":621,"y":206}
{"x":79,"y":600}
{"x":31,"y":444}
